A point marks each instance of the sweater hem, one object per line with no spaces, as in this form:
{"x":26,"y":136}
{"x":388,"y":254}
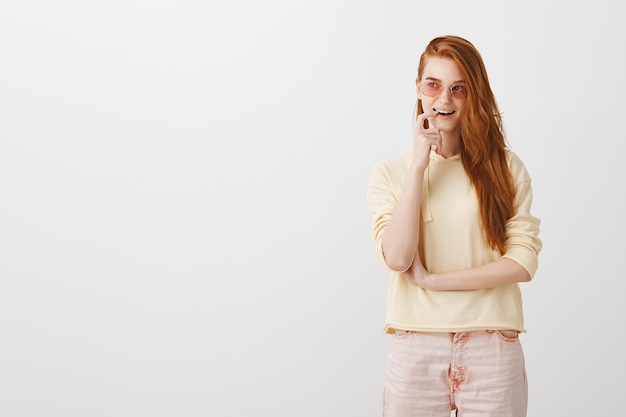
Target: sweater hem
{"x":390,"y":327}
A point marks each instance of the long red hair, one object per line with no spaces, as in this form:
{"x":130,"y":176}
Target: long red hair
{"x":483,"y":143}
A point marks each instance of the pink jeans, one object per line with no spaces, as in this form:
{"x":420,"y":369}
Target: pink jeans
{"x":478,"y":374}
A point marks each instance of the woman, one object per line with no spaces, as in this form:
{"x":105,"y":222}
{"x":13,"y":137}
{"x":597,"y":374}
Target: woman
{"x":452,"y":222}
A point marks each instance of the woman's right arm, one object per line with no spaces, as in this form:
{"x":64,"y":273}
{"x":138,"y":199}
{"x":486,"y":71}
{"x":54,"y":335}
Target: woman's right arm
{"x":401,"y":236}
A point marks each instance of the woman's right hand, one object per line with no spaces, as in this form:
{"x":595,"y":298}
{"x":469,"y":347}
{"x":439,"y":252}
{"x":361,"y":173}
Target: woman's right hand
{"x":425,"y":139}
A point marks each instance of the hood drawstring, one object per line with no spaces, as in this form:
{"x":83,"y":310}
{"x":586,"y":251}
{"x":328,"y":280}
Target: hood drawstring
{"x":427,"y":214}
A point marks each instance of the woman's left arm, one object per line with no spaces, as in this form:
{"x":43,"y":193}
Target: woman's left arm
{"x":501,"y":272}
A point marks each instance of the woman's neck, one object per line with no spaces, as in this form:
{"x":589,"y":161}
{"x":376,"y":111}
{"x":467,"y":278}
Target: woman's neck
{"x":451,"y":144}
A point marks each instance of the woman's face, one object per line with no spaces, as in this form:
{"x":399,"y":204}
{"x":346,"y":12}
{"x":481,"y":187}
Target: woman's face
{"x":442,"y":92}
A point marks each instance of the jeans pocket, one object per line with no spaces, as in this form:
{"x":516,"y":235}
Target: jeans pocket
{"x":400,"y":334}
{"x":508,"y":335}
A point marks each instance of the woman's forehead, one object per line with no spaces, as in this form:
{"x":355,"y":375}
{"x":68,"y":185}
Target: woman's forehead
{"x":442,"y":69}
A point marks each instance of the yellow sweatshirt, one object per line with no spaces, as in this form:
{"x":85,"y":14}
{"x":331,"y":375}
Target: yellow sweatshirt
{"x":451,"y":238}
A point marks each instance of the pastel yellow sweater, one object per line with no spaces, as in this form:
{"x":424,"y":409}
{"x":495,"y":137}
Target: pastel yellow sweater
{"x":451,"y":238}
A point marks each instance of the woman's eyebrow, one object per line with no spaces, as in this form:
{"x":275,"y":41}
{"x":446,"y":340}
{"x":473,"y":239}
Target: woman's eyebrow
{"x":437,"y":79}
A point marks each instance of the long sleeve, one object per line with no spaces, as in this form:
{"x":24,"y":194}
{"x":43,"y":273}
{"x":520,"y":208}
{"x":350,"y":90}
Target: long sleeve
{"x":523,"y":243}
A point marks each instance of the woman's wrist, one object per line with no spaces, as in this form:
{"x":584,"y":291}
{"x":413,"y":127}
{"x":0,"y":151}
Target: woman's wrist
{"x":417,"y":169}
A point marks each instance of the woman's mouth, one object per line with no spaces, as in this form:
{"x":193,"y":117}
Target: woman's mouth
{"x":444,"y":112}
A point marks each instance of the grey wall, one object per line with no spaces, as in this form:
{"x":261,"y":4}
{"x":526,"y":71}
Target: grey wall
{"x":183,"y":225}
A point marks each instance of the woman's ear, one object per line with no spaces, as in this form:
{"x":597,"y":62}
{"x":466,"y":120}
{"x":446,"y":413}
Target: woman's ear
{"x":417,"y":88}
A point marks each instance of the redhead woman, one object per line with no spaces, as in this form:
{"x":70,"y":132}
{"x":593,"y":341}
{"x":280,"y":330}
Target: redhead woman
{"x":452,"y":222}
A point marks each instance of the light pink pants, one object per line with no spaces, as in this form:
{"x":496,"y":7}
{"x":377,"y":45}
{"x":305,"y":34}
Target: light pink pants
{"x":478,"y":374}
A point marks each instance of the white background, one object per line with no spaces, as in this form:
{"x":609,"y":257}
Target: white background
{"x":183,"y":224}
